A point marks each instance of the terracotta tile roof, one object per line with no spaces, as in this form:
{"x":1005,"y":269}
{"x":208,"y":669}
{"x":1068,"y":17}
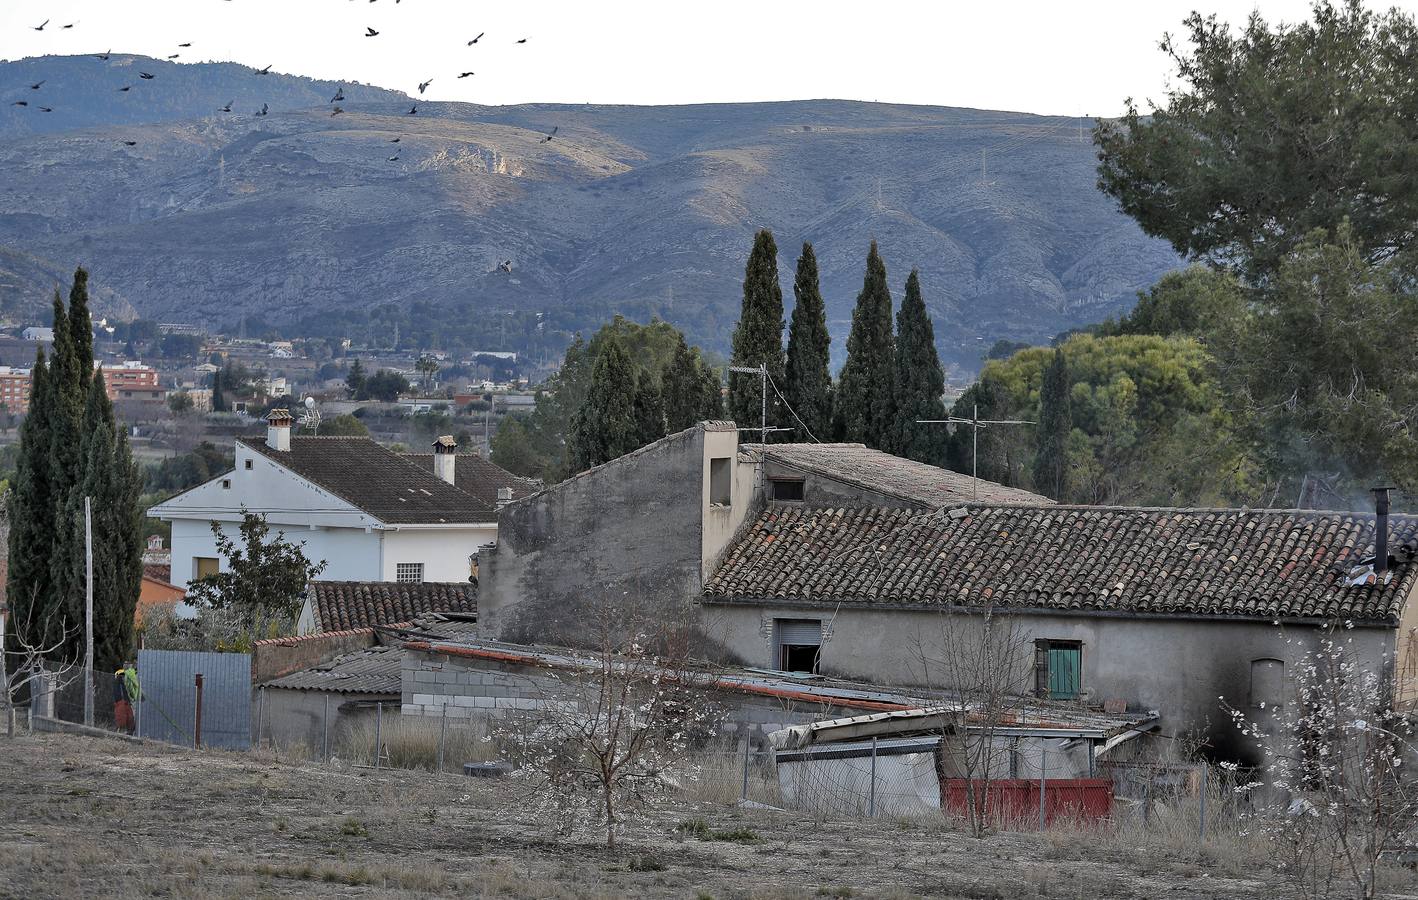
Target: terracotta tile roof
{"x":894,"y":476}
{"x":480,"y":477}
{"x":158,"y":572}
{"x":342,"y":605}
{"x":1270,"y":564}
{"x":378,"y":480}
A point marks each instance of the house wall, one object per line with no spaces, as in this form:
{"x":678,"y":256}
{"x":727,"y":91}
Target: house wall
{"x":444,"y":552}
{"x":1178,"y":667}
{"x":352,"y":554}
{"x":626,"y":531}
{"x":722,"y":523}
{"x":1406,"y":654}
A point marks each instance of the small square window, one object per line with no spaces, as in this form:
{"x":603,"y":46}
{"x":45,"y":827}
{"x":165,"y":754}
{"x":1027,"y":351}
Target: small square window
{"x":1058,"y":669}
{"x":786,"y":490}
{"x":249,"y":465}
{"x":226,"y":484}
{"x":408,"y":573}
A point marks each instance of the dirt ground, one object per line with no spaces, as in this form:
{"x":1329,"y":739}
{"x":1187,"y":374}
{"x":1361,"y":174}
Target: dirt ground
{"x":86,"y":816}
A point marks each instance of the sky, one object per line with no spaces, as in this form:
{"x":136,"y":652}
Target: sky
{"x":1055,"y":57}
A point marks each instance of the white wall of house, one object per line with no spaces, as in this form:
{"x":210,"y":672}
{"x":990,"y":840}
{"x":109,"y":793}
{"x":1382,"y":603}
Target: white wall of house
{"x":444,"y":552}
{"x":350,"y":554}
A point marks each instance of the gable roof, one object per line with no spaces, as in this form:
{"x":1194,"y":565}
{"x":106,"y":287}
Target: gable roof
{"x":480,"y":477}
{"x":340,"y":605}
{"x":377,"y":480}
{"x":1271,"y":564}
{"x":894,"y":476}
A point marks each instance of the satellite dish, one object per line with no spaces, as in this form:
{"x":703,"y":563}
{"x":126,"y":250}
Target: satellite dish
{"x":309,"y":402}
{"x":311,"y":417}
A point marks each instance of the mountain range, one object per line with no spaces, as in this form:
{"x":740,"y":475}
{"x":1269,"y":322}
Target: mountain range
{"x":210,"y":216}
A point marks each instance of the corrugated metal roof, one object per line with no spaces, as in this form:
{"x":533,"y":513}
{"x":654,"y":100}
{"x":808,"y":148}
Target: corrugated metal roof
{"x":1031,"y":719}
{"x":372,"y":671}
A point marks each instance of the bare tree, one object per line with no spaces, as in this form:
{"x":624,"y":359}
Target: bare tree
{"x":982,"y":659}
{"x":22,"y":660}
{"x":1338,"y":755}
{"x":613,"y":729}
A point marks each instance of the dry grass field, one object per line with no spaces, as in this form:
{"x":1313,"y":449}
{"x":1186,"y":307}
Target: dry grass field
{"x":86,"y":817}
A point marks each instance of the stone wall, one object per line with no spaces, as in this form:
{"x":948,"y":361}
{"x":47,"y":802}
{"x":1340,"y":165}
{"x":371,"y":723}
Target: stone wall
{"x":273,"y":658}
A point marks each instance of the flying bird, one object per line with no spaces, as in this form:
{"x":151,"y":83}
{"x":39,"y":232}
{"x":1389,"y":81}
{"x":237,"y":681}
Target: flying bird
{"x":547,"y":139}
{"x":130,"y":143}
{"x":394,"y":158}
{"x":226,"y":108}
{"x":40,"y":26}
{"x":265,"y":71}
{"x":370,"y":32}
{"x":20,"y":103}
{"x":45,"y":109}
{"x":476,"y":39}
{"x":423,"y":85}
{"x":413,"y":110}
{"x":174,"y":56}
{"x":104,"y":55}
{"x":126,"y":87}
{"x":394,"y":140}
{"x":522,"y":41}
{"x":465,"y":74}
{"x":188,"y":44}
{"x":71,"y":24}
{"x":145,"y":76}
{"x":339,"y":95}
{"x":35,"y":86}
{"x":337,"y":111}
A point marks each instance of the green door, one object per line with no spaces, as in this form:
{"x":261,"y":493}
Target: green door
{"x":1065,"y":664}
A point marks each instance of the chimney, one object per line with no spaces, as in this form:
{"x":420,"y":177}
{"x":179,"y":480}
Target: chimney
{"x":278,"y":423}
{"x":504,"y":496}
{"x":445,"y":452}
{"x":1380,"y":530}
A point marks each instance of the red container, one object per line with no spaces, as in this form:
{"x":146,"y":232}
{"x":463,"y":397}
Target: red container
{"x":1014,"y":802}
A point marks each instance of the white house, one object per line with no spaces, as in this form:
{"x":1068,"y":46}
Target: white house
{"x":367,"y":512}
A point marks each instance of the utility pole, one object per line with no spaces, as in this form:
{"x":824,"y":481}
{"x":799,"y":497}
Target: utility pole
{"x":975,"y":423}
{"x":761,"y":370}
{"x":88,"y":613}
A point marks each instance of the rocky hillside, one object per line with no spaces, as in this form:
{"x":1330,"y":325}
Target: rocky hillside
{"x":210,"y":216}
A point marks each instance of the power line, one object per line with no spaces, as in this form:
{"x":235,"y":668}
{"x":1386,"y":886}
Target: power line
{"x":806,"y":430}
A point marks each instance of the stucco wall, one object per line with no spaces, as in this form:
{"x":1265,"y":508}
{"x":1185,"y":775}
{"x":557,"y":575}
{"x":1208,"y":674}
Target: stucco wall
{"x":443,"y":552}
{"x":295,"y":721}
{"x":627,"y":531}
{"x":352,"y":554}
{"x":1178,"y":667}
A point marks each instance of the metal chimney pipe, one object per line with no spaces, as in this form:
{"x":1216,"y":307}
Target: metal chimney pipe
{"x":1380,"y":530}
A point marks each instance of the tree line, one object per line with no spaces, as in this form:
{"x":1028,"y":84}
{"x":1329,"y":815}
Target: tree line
{"x":71,"y":448}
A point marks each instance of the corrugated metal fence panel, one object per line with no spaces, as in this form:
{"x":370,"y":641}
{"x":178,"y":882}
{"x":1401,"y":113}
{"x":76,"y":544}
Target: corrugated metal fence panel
{"x":169,"y":712}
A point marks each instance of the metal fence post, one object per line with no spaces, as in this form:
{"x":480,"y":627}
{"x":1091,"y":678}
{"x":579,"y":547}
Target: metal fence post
{"x":260,"y":713}
{"x":1204,"y":767}
{"x":197,"y":729}
{"x":378,"y":732}
{"x":1043,"y":766}
{"x":747,"y":747}
{"x":442,"y":732}
{"x":325,"y":727}
{"x":871,"y":803}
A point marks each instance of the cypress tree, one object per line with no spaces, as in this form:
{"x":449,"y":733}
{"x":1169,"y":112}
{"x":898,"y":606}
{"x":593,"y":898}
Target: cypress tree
{"x":864,"y":409}
{"x":1051,"y":475}
{"x":218,"y":398}
{"x":604,"y":427}
{"x":808,"y":385}
{"x":81,"y":328}
{"x":31,"y":509}
{"x":919,"y":381}
{"x":649,"y":411}
{"x":691,"y":389}
{"x":758,"y":337}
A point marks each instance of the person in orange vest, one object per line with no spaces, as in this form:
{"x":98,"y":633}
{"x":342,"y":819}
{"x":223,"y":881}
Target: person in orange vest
{"x":125,"y":693}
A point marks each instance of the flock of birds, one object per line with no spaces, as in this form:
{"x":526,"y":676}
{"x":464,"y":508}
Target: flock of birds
{"x":265,"y":108}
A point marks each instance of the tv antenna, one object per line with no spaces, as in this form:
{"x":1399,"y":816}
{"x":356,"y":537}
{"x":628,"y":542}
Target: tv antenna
{"x":975,"y":423}
{"x":311,"y":417}
{"x":761,"y":370}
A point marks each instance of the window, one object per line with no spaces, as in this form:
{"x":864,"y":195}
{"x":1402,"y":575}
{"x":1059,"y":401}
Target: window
{"x":202,"y":566}
{"x":798,"y":644}
{"x":226,"y":484}
{"x":249,"y":465}
{"x":789,"y":490}
{"x":408,"y":573}
{"x":1058,"y":669}
{"x":720,"y":483}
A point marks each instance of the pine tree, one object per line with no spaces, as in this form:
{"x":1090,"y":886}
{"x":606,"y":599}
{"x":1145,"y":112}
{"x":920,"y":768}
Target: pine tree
{"x":356,"y":381}
{"x":649,"y":411}
{"x":808,"y":386}
{"x":604,"y":425}
{"x":758,"y":337}
{"x":81,"y":328}
{"x":1051,"y":474}
{"x":31,"y":510}
{"x":864,"y":408}
{"x":918,"y":381}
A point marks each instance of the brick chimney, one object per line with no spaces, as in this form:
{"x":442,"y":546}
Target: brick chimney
{"x":278,"y":422}
{"x":445,"y":452}
{"x":1380,"y":530}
